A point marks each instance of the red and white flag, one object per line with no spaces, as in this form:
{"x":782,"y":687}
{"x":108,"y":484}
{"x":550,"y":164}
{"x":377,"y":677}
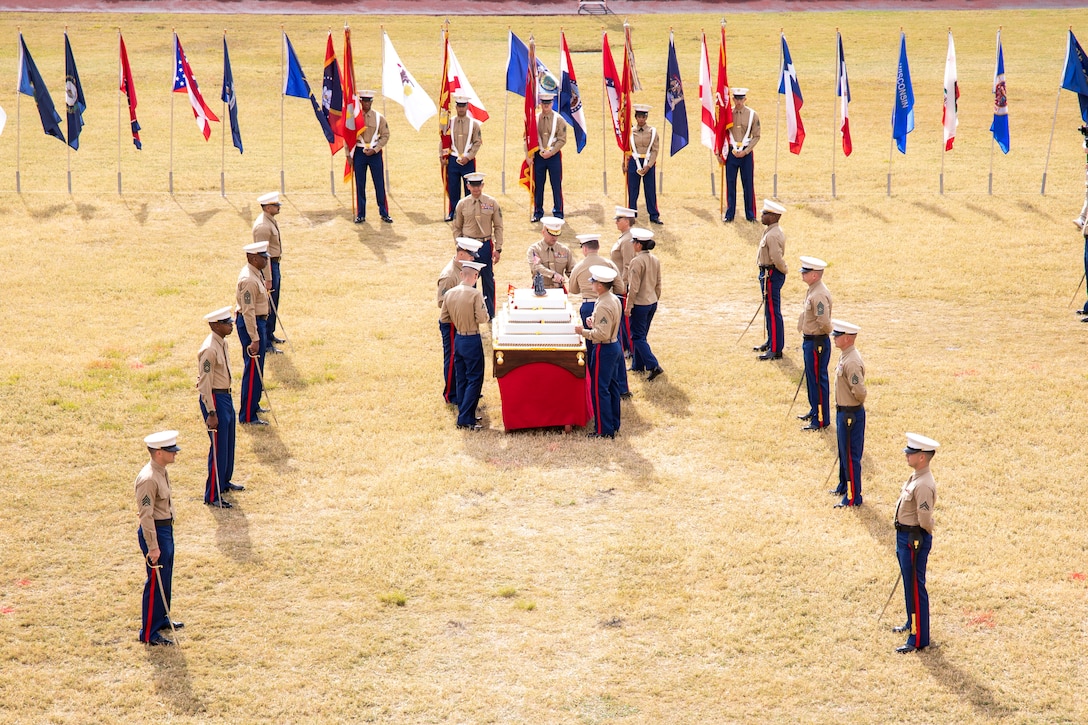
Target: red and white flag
{"x":352,"y":121}
{"x":951,"y":96}
{"x":706,"y":98}
{"x":791,"y":89}
{"x":723,"y":111}
{"x":184,"y":81}
{"x":842,"y":89}
{"x":457,"y":83}
{"x":613,"y":86}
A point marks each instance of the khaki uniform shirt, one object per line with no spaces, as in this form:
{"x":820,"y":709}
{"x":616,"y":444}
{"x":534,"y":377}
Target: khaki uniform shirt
{"x":647,"y":143}
{"x":850,"y":378}
{"x":548,"y":259}
{"x":643,"y":280}
{"x":815,"y":316}
{"x":213,"y":369}
{"x":375,"y":134}
{"x":478,"y":218}
{"x":623,"y":251}
{"x":251,"y":298}
{"x":450,"y":278}
{"x":917,"y":499}
{"x":544,"y":131}
{"x":579,"y":278}
{"x":153,"y":501}
{"x":741,"y":121}
{"x":607,"y":314}
{"x":771,"y":248}
{"x":464,"y":307}
{"x":265,"y":229}
{"x":466,"y":137}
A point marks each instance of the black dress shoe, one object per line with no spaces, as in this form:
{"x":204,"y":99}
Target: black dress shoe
{"x":626,"y":396}
{"x":1081,"y":311}
{"x":771,"y":356}
{"x":841,"y":505}
{"x":277,"y":341}
{"x":360,"y":219}
{"x":901,"y":628}
{"x":906,"y":649}
{"x":473,"y":428}
{"x":601,"y":435}
{"x":273,"y":350}
{"x":812,"y":426}
{"x":806,"y":416}
{"x":727,"y":220}
{"x":654,"y":373}
{"x":836,"y":492}
{"x":157,"y":640}
{"x":177,"y":625}
{"x":262,"y":409}
{"x":233,"y":487}
{"x":387,"y":219}
{"x":449,"y":218}
{"x":220,"y":504}
{"x":762,"y":348}
{"x":536,"y":217}
{"x":255,"y":421}
{"x":656,"y":221}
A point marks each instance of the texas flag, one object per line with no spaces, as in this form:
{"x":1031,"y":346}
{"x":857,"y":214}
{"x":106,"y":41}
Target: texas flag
{"x":795,"y":130}
{"x":842,"y":89}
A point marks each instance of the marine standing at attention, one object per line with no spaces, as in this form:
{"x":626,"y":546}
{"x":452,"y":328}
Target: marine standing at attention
{"x":479,"y":217}
{"x":914,"y":539}
{"x":267,"y":229}
{"x":814,"y":324}
{"x":850,"y":396}
{"x":772,"y":275}
{"x":368,"y":154}
{"x":548,"y":161}
{"x":451,"y":277}
{"x":156,"y":536}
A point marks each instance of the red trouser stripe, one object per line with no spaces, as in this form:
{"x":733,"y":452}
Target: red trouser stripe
{"x":150,"y":605}
{"x":450,"y":377}
{"x":214,"y":494}
{"x":821,"y":417}
{"x":597,"y":390}
{"x":248,"y":403}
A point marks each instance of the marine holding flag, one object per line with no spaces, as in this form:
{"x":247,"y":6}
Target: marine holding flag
{"x":641,"y":161}
{"x":368,"y":154}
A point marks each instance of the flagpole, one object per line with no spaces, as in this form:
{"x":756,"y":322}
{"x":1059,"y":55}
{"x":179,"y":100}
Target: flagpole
{"x":835,"y":114}
{"x":283,"y":83}
{"x":173,"y":72}
{"x":120,"y":79}
{"x":332,"y":156}
{"x":223,"y":153}
{"x":777,"y":112}
{"x":18,"y":147}
{"x":605,"y":115}
{"x":944,"y":145}
{"x":505,"y":117}
{"x":1046,"y":165}
{"x":385,"y":159}
{"x":664,"y":126}
{"x":990,"y":182}
{"x":68,"y":146}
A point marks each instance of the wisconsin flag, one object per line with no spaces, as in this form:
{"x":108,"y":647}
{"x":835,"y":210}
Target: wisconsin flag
{"x":185,"y":82}
{"x":903,"y":111}
{"x":951,"y":96}
{"x":399,"y":85}
{"x":570,"y":99}
{"x":842,"y":89}
{"x":1000,"y":127}
{"x":795,"y":130}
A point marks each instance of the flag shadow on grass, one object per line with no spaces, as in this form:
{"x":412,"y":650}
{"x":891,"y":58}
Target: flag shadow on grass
{"x":934,"y":210}
{"x":139,"y":213}
{"x":379,"y":239}
{"x":703,"y":214}
{"x":172,"y":681}
{"x":875,"y":214}
{"x":232,"y":534}
{"x":47,"y":212}
{"x":199,"y":218}
{"x":86,"y":211}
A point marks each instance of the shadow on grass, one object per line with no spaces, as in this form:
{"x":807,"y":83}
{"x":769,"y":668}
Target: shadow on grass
{"x":665,"y":396}
{"x":286,"y":372}
{"x":172,"y":681}
{"x":244,"y":211}
{"x":703,"y":214}
{"x":593,"y":211}
{"x":86,"y":211}
{"x":980,"y":695}
{"x":378,"y":238}
{"x":316,"y":217}
{"x":990,"y":214}
{"x":232,"y":532}
{"x":934,"y":210}
{"x":200,"y":218}
{"x":47,"y":212}
{"x":820,"y":212}
{"x":138,"y":211}
{"x":1033,"y":209}
{"x":871,"y":212}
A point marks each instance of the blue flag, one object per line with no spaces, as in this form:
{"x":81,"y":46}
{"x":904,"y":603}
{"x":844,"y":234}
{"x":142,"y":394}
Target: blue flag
{"x":30,"y":83}
{"x":73,"y":96}
{"x":231,"y":99}
{"x":570,"y":99}
{"x":676,"y":112}
{"x":517,"y":65}
{"x":1075,"y":74}
{"x":903,"y":114}
{"x":1000,"y":127}
{"x":297,"y":86}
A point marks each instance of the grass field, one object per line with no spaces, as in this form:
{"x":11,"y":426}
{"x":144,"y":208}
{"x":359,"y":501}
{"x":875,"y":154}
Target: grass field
{"x":384,"y":567}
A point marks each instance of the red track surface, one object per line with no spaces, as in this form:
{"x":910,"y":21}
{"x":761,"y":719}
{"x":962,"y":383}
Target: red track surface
{"x":509,"y":7}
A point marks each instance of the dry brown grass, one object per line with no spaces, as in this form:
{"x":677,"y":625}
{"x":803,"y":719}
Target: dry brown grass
{"x":691,"y":572}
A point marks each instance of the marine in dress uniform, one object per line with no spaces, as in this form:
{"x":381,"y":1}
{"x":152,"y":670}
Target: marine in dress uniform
{"x":369,"y":154}
{"x":741,"y":140}
{"x":213,"y":384}
{"x":267,"y":229}
{"x":548,"y":161}
{"x":466,"y":138}
{"x":643,"y":292}
{"x":156,"y":536}
{"x":772,"y":275}
{"x":850,"y":395}
{"x":463,"y":306}
{"x":550,"y":257}
{"x":580,"y":284}
{"x":602,"y":329}
{"x":478,"y":216}
{"x":914,"y":539}
{"x":451,"y":277}
{"x":640,"y":166}
{"x":623,"y":251}
{"x":814,"y":323}
{"x":251,"y":317}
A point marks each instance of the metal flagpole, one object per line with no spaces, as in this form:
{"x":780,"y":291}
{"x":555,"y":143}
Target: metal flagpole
{"x":173,"y":74}
{"x":68,"y":146}
{"x":385,"y":156}
{"x":120,"y":79}
{"x":835,"y":114}
{"x":223,"y":153}
{"x":505,"y":117}
{"x":283,"y":87}
{"x":990,"y":182}
{"x":943,"y":152}
{"x":18,"y":147}
{"x":777,"y":114}
{"x":1042,"y":189}
{"x":332,"y":155}
{"x":891,"y":151}
{"x":605,"y":115}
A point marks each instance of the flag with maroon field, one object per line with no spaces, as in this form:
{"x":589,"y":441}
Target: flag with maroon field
{"x":532,"y":136}
{"x":129,"y":89}
{"x":723,"y":111}
{"x":351,"y":120}
{"x":184,"y":82}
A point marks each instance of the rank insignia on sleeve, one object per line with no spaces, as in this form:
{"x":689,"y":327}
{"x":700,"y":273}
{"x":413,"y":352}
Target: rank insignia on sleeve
{"x":146,"y":501}
{"x":854,"y":379}
{"x":820,"y":308}
{"x":207,"y":366}
{"x":247,"y":297}
{"x":924,"y":505}
{"x":604,"y":320}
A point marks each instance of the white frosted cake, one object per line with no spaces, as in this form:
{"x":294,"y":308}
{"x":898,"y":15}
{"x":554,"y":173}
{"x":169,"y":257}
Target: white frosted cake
{"x":530,"y":321}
